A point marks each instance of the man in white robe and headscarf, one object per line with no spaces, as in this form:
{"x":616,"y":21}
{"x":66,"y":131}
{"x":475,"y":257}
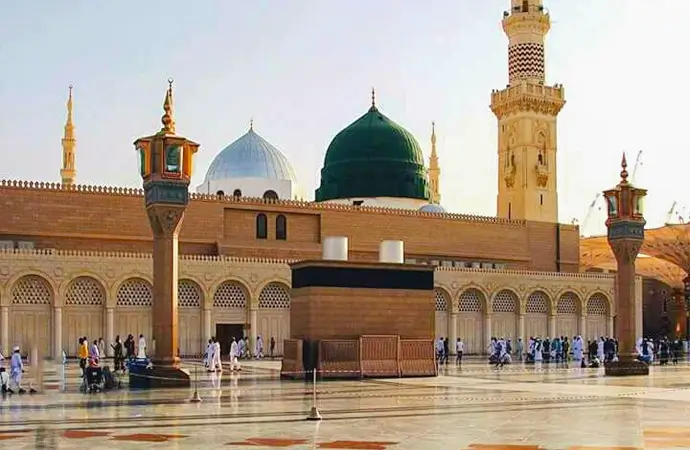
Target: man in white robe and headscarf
{"x":207,"y":355}
{"x":259,"y":348}
{"x":577,"y":348}
{"x":234,"y":349}
{"x":141,"y":350}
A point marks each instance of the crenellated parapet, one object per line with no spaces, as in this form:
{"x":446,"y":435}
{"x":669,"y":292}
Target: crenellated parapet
{"x":249,"y":201}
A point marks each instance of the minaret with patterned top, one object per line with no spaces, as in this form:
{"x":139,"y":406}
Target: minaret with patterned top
{"x":526,"y":111}
{"x":68,"y":173}
{"x":434,"y":170}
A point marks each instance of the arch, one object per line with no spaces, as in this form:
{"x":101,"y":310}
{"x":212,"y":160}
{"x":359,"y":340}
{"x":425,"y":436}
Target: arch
{"x":134,"y":292}
{"x":270,"y":195}
{"x":442,"y":300}
{"x":274,"y":295}
{"x":230,"y":294}
{"x":220,"y":193}
{"x":538,"y":302}
{"x":261,"y":226}
{"x":85,"y":290}
{"x":598,"y":305}
{"x":281,"y":227}
{"x":472,"y":300}
{"x":32,"y":289}
{"x":569,"y":303}
{"x":189,"y":294}
{"x":505,"y":300}
{"x":237,"y":193}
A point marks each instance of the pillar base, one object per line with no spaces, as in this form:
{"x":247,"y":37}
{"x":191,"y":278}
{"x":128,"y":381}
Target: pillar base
{"x":626,"y":368}
{"x":158,"y":375}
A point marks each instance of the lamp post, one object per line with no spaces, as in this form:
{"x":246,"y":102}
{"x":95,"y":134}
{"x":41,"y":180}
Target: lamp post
{"x":165,"y":161}
{"x":625,"y":225}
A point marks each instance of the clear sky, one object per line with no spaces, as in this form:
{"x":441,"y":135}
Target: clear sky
{"x":303,"y":69}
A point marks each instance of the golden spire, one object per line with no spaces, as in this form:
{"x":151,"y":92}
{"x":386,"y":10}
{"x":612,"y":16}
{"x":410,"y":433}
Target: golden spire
{"x":68,"y":172}
{"x":624,"y":171}
{"x":168,"y":120}
{"x":434,"y":170}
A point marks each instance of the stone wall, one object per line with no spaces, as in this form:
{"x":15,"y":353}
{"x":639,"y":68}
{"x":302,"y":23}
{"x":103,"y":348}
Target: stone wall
{"x":90,"y":218}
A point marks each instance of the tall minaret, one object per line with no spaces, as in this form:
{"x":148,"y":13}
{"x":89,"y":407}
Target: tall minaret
{"x":434,"y":170}
{"x":526,"y":110}
{"x":68,"y":173}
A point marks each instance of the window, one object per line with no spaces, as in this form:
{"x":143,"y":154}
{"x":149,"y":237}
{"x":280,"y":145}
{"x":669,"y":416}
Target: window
{"x":237,"y":193}
{"x":541,"y":199}
{"x":509,"y":210}
{"x":261,"y":226}
{"x":220,"y":194}
{"x":270,"y":195}
{"x":281,"y":227}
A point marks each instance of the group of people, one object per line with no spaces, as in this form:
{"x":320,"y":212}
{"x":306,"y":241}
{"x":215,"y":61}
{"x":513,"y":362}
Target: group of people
{"x":90,"y":355}
{"x":662,"y":349}
{"x":239,"y":349}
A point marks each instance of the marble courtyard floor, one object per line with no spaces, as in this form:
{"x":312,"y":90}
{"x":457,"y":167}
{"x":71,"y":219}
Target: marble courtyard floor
{"x":475,"y":407}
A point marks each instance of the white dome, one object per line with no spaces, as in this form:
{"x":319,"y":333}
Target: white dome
{"x":432,"y":208}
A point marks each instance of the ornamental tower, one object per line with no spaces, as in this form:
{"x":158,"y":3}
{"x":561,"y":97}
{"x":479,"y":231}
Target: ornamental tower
{"x":68,"y":173}
{"x":434,"y":170}
{"x":526,"y":111}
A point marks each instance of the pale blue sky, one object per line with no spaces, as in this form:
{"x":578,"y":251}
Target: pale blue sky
{"x":304,"y":68}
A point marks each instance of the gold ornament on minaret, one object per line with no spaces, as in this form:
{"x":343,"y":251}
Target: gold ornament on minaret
{"x":526,"y":111}
{"x":434,"y":170}
{"x":68,"y":173}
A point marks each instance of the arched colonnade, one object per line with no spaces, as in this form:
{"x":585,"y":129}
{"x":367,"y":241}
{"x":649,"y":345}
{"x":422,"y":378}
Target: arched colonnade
{"x":475,"y":320}
{"x":31,"y":316}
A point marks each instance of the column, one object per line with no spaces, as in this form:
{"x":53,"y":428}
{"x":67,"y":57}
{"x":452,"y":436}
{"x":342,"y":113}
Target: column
{"x":57,"y":333}
{"x":5,"y":330}
{"x":109,"y":331}
{"x":609,"y":327}
{"x":583,"y":327}
{"x":552,"y":326}
{"x":253,"y":327}
{"x":452,"y":332}
{"x":487,"y":333}
{"x":207,"y":327}
{"x":521,"y":328}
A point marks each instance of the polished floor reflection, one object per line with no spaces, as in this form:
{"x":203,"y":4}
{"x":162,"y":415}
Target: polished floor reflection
{"x":473,"y":407}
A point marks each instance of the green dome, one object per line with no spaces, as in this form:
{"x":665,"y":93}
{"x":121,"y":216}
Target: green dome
{"x":373,"y":157}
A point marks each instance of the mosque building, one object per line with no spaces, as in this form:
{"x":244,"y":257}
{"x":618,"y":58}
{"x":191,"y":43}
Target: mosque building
{"x":76,"y":260}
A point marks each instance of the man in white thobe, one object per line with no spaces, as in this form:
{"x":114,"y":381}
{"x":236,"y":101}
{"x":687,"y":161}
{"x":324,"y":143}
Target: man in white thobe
{"x":241,"y":350}
{"x":207,"y":355}
{"x":141,"y":350}
{"x":259,"y":348}
{"x":217,"y":364}
{"x":234,"y":349}
{"x":577,"y":348}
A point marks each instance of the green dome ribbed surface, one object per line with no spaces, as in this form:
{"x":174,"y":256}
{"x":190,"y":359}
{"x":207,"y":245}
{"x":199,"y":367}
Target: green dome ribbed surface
{"x":373,"y":157}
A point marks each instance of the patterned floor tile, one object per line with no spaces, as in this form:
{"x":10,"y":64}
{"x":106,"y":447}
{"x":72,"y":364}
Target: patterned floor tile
{"x":357,"y":445}
{"x":269,"y":442}
{"x":503,"y":447}
{"x":83,"y":434}
{"x":144,"y":437}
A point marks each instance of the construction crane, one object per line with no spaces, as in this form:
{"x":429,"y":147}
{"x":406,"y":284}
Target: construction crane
{"x":590,"y":211}
{"x":675,"y":213}
{"x":638,"y":163}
